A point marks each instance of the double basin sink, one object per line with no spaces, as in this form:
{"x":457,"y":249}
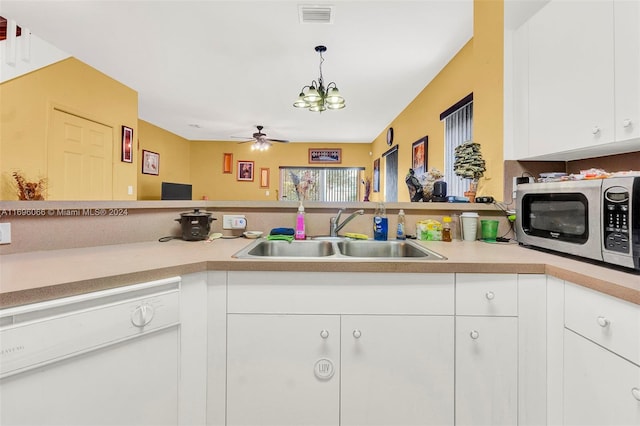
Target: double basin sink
{"x":337,"y":248}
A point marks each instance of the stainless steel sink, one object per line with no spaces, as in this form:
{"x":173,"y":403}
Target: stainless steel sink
{"x":306,"y":248}
{"x":390,"y":249}
{"x":337,"y":249}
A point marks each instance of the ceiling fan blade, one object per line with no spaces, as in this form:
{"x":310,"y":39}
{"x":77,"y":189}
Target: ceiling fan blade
{"x":277,"y":140}
{"x":241,"y":137}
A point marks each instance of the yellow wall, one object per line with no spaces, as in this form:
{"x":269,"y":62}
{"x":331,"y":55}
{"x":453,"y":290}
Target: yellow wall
{"x":27,"y":103}
{"x":175,"y":159}
{"x":208,"y":179}
{"x":71,"y":85}
{"x":477,"y":68}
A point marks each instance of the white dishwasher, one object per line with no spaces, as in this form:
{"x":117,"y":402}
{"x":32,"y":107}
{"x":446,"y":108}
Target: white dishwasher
{"x":104,"y":358}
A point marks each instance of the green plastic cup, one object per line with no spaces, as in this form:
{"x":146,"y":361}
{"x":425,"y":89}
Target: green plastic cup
{"x":489,"y":229}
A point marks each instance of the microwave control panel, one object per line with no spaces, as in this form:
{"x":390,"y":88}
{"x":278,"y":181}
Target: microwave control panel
{"x":616,"y":219}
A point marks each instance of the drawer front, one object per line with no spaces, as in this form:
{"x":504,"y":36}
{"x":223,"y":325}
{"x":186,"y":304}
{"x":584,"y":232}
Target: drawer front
{"x":610,"y":322}
{"x":487,"y":294}
{"x":340,"y":293}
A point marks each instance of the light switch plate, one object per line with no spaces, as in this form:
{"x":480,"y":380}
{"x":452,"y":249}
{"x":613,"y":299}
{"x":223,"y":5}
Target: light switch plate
{"x":5,"y":233}
{"x":234,"y":221}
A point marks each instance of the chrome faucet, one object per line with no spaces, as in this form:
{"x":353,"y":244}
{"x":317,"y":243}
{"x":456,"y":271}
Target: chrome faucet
{"x":335,"y":227}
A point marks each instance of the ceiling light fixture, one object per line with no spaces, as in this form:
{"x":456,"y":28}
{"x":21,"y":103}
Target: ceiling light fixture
{"x":317,"y":97}
{"x":260,"y":145}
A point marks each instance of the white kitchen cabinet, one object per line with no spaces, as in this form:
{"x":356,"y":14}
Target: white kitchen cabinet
{"x":486,"y":370}
{"x":387,"y":340}
{"x":283,"y":370}
{"x":397,"y":370}
{"x":600,"y":387}
{"x":601,"y":359}
{"x":571,"y":76}
{"x":627,"y":70}
{"x":574,"y":84}
{"x":486,"y":349}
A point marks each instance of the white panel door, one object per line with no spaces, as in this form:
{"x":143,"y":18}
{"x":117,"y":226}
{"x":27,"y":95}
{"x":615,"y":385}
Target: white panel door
{"x":80,"y":159}
{"x":486,"y":371}
{"x":571,"y":76}
{"x":271,"y":370}
{"x":600,"y":388}
{"x":397,"y":370}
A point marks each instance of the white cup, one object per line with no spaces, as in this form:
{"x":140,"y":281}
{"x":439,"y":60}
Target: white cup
{"x":469,"y":226}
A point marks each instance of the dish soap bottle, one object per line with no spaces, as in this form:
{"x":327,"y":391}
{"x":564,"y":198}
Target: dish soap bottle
{"x":380,"y":224}
{"x":300,"y":231}
{"x":400,"y":235}
{"x":446,"y":228}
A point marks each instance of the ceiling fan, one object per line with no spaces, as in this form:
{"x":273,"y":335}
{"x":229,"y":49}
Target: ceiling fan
{"x":260,"y":140}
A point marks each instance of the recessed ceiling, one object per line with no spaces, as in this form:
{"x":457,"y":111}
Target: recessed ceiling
{"x":210,"y":70}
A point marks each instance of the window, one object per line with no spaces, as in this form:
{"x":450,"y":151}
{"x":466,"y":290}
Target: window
{"x":458,"y":122}
{"x":320,"y":183}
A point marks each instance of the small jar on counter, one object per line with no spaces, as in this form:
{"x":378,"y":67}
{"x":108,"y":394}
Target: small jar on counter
{"x":446,"y":228}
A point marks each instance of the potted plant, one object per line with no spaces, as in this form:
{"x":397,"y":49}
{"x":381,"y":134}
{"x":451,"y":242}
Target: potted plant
{"x":469,"y":164}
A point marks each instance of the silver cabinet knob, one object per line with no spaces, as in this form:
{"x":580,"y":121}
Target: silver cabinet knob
{"x":595,"y":130}
{"x":603,"y":322}
{"x":357,"y":333}
{"x":636,"y":393}
{"x":626,"y":122}
{"x":490,"y":295}
{"x":474,"y":334}
{"x":324,"y":334}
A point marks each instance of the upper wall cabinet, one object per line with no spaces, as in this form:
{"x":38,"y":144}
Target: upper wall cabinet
{"x":577,"y":80}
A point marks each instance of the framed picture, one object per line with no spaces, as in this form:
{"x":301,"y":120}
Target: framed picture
{"x":376,"y":175}
{"x":419,"y":156}
{"x":227,"y":162}
{"x":325,"y":156}
{"x":264,"y":177}
{"x":127,"y":144}
{"x":245,"y":171}
{"x":150,"y":163}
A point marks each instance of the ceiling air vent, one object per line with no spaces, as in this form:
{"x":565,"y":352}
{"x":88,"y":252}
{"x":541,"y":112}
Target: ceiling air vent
{"x":315,"y":14}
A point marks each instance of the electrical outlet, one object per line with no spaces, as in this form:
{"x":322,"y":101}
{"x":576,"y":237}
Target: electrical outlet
{"x":5,"y":233}
{"x":234,"y":221}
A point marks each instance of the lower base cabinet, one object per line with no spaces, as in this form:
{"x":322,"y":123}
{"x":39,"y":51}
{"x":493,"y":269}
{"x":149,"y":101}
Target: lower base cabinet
{"x":271,"y":370}
{"x":486,"y":371}
{"x":340,"y":370}
{"x":600,"y":387}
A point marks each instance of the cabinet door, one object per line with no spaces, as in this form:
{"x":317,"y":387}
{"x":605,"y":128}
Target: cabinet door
{"x":571,"y":76}
{"x":600,"y":388}
{"x":283,"y":370}
{"x":397,"y":370}
{"x":627,"y":54}
{"x":486,"y":371}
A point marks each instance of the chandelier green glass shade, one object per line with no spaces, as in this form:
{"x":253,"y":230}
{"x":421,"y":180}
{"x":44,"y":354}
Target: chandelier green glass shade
{"x":316,"y":97}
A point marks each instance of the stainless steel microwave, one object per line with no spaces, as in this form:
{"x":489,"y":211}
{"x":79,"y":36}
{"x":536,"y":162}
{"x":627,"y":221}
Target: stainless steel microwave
{"x":596,"y":219}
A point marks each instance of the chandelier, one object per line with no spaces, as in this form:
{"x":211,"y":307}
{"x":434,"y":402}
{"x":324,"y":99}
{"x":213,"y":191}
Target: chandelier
{"x":317,"y":97}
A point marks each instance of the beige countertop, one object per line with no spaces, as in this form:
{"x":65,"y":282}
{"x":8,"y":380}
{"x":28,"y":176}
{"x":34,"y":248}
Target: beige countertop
{"x":42,"y":275}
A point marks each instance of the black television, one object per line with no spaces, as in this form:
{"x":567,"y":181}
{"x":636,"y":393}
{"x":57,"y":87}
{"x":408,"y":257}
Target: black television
{"x":176,"y":191}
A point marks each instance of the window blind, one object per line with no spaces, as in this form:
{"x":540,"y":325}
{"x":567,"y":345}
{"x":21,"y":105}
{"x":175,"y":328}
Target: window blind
{"x":458,"y":129}
{"x":331,"y":184}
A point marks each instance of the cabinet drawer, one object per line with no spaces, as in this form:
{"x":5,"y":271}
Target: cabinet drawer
{"x":487,"y":294}
{"x":610,"y":322}
{"x":338,"y":293}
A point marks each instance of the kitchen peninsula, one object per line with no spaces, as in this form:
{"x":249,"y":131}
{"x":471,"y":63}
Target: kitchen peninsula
{"x":499,"y":299}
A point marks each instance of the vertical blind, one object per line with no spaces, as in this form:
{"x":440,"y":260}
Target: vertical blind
{"x":320,"y":183}
{"x":458,"y":129}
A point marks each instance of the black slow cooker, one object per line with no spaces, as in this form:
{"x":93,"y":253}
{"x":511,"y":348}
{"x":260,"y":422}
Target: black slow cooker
{"x":196,"y":225}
